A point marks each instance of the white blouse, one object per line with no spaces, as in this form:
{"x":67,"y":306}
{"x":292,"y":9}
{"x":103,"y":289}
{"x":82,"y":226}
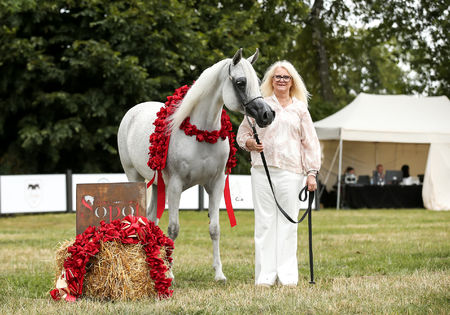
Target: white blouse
{"x":290,"y":141}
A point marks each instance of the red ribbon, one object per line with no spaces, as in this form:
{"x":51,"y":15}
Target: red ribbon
{"x":161,"y":196}
{"x":161,"y":189}
{"x":227,"y":196}
{"x":151,"y":181}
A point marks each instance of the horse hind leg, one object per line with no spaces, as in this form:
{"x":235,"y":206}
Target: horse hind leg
{"x":133,"y":175}
{"x":152,"y":207}
{"x":214,"y":230}
{"x":127,"y":164}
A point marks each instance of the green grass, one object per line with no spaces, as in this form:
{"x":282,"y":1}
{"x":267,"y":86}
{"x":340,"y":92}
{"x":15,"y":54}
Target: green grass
{"x":366,"y":262}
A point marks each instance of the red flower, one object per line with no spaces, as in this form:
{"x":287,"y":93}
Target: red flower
{"x":200,"y":137}
{"x":55,"y":294}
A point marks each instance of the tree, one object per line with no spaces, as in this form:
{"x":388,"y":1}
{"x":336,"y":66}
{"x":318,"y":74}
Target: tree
{"x":70,"y":69}
{"x":419,"y":30}
{"x":323,"y":69}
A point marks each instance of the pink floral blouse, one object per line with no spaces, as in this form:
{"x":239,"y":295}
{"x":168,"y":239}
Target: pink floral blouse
{"x":290,"y":142}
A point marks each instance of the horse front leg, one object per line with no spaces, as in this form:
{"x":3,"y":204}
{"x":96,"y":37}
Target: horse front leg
{"x":174,"y":190}
{"x":214,"y":229}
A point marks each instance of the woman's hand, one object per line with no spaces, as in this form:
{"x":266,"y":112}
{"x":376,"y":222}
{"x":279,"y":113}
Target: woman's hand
{"x":311,"y":182}
{"x":253,"y":146}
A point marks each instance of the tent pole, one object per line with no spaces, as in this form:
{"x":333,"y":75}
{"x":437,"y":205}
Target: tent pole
{"x":330,"y":169}
{"x":338,"y":201}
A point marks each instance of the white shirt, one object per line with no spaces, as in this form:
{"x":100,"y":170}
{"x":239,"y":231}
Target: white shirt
{"x":290,"y":141}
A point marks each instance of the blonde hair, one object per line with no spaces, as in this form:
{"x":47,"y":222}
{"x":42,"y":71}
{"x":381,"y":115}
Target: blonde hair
{"x":298,"y":88}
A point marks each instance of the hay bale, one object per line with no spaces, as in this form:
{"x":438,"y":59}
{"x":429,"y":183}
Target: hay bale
{"x":61,"y":256}
{"x":117,"y":272}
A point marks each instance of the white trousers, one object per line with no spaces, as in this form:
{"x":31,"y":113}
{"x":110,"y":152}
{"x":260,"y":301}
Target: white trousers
{"x":275,"y":236}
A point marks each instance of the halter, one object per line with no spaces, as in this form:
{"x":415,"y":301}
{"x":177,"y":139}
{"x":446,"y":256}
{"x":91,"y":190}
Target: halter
{"x":240,"y":93}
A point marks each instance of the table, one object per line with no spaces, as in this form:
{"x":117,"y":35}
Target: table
{"x":387,"y":196}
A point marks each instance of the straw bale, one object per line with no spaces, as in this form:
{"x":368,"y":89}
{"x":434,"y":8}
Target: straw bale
{"x":117,"y":272}
{"x":61,"y":256}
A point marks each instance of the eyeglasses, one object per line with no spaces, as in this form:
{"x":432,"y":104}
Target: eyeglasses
{"x":286,"y":78}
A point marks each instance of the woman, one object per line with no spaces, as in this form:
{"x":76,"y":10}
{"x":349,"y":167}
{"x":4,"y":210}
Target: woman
{"x":292,"y":149}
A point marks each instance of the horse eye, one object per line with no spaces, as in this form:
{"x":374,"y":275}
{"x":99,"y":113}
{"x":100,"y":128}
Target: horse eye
{"x":241,"y":82}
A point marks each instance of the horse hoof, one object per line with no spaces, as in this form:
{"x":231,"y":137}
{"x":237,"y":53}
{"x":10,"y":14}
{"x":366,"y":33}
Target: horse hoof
{"x":221,"y":278}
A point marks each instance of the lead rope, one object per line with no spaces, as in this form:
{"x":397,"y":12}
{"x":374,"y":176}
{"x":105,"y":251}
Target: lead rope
{"x":302,"y":196}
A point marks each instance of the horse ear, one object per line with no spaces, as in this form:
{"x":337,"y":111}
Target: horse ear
{"x":237,"y":56}
{"x":253,"y":58}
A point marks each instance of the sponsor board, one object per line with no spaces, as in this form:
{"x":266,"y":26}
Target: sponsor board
{"x":108,"y":202}
{"x":33,"y":193}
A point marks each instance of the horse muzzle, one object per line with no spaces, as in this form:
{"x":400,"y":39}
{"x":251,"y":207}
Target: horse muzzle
{"x":261,"y":112}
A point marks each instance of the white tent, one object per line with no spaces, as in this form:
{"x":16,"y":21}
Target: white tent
{"x":392,"y":130}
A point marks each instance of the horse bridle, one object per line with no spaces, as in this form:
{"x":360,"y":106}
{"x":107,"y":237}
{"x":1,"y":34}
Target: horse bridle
{"x":240,"y":93}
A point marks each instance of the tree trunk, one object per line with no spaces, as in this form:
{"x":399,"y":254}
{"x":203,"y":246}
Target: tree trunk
{"x":317,"y":41}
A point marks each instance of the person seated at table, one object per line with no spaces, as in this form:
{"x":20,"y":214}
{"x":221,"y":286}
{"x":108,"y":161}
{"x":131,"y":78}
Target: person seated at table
{"x":349,"y":176}
{"x":407,"y":179}
{"x":378,"y":175}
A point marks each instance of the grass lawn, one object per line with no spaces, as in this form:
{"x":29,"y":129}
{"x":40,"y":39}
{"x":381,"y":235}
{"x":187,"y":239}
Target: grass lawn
{"x":366,"y":262}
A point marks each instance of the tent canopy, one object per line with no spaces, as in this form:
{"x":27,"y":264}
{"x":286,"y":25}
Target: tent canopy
{"x":389,"y":129}
{"x":389,"y":118}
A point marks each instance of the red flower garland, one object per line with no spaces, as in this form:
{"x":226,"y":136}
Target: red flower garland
{"x":130,"y":230}
{"x":159,"y":139}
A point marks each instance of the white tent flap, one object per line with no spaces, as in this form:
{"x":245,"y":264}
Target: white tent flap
{"x":435,"y":192}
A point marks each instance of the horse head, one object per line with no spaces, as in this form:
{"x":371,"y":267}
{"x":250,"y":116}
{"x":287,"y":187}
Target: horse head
{"x":242,"y":93}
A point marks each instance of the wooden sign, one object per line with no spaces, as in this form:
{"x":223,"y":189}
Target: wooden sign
{"x":108,"y":202}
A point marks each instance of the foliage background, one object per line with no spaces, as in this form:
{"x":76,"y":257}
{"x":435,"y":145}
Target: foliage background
{"x":70,"y":69}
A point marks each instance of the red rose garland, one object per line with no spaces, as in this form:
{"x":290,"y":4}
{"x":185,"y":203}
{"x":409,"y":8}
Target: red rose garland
{"x":225,"y":131}
{"x":130,"y":230}
{"x":159,"y":139}
{"x":159,"y":145}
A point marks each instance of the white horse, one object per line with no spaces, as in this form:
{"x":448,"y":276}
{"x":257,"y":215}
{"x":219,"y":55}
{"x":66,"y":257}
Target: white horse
{"x":232,"y":82}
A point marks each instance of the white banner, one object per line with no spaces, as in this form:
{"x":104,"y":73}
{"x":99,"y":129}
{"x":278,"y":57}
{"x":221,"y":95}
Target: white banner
{"x":32,"y":193}
{"x":188,"y":200}
{"x":240,"y":191}
{"x":241,"y":194}
{"x":47,"y":193}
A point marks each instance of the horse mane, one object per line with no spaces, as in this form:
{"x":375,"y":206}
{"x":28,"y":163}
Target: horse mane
{"x":195,"y":93}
